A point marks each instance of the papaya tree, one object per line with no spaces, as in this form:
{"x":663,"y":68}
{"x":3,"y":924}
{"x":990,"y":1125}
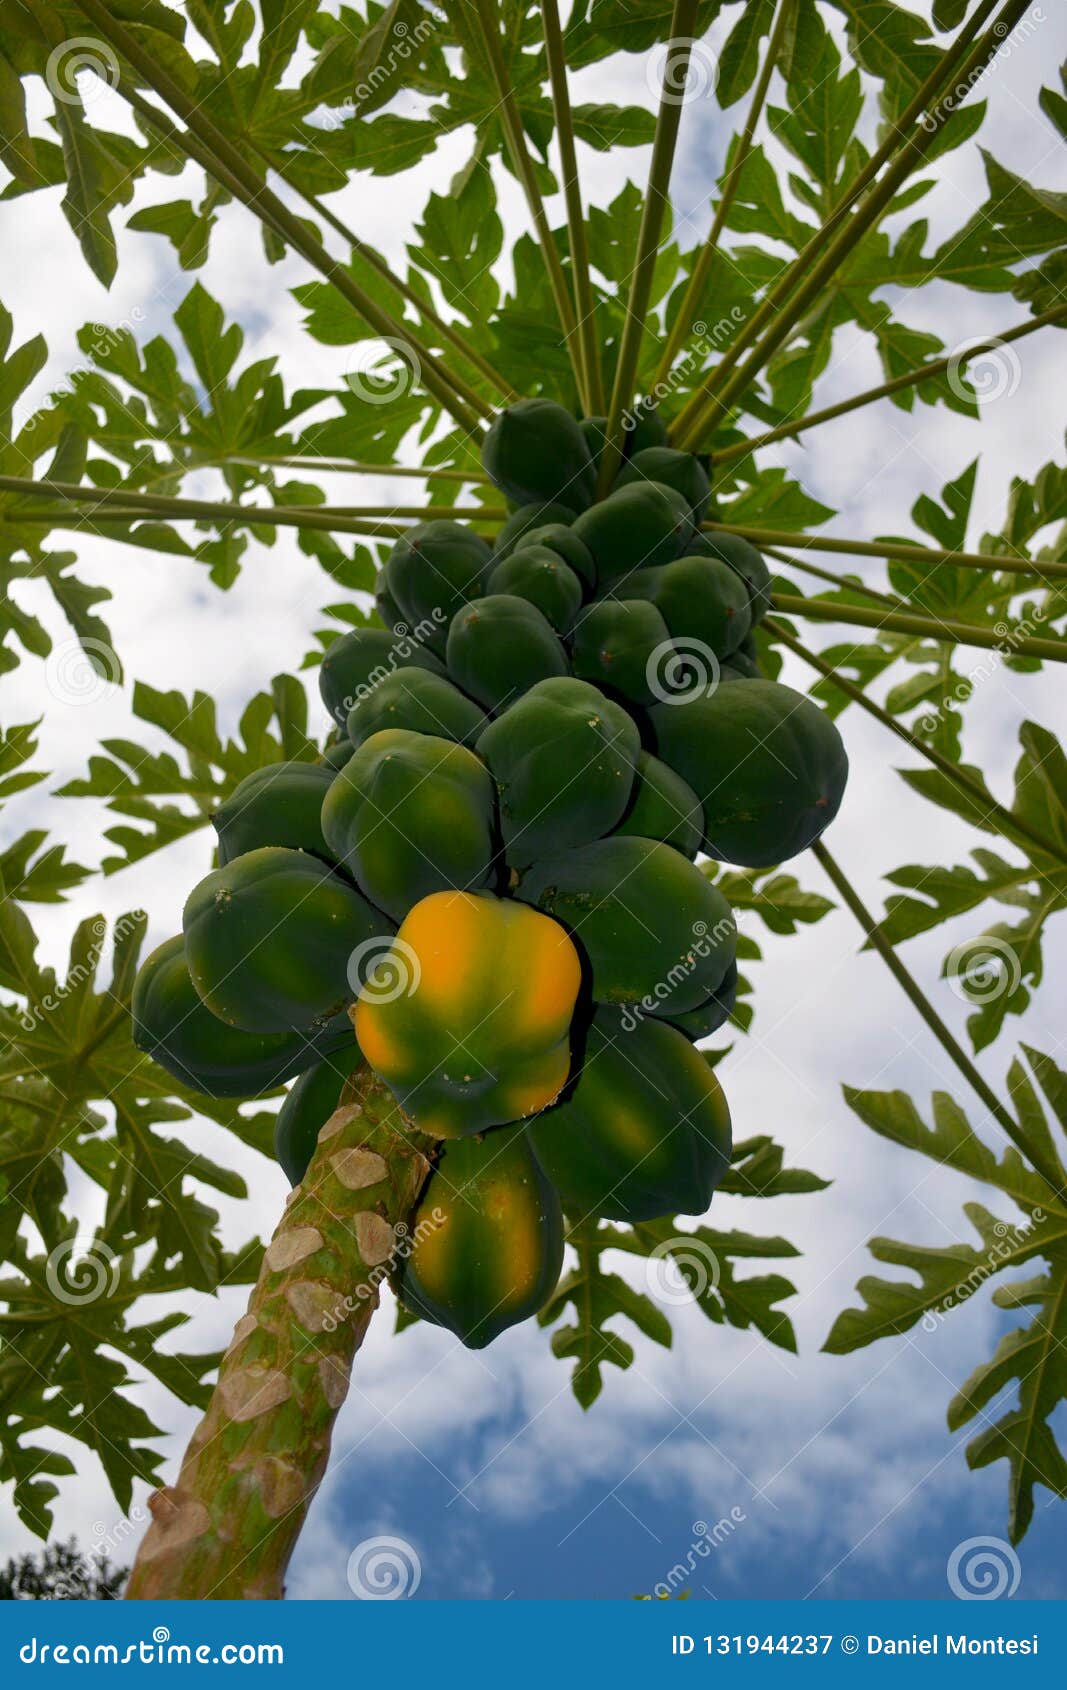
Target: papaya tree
{"x":480,"y":912}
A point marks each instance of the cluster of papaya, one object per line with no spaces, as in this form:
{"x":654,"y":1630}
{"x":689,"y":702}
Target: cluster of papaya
{"x":491,"y":872}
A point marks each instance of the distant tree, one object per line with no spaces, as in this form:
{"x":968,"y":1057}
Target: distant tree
{"x":61,"y":1573}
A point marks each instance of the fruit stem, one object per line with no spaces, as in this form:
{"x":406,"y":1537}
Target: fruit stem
{"x":911,"y":378}
{"x":1009,"y":642}
{"x":691,"y":298}
{"x":228,"y":1527}
{"x":1032,"y":1153}
{"x":901,"y":550}
{"x":584,"y":304}
{"x":1012,"y":827}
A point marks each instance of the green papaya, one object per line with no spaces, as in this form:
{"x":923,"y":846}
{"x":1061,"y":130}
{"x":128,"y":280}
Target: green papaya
{"x":768,"y":765}
{"x":412,"y":814}
{"x":645,"y":1131}
{"x":644,"y":428}
{"x":523,"y":523}
{"x":663,"y":806}
{"x":739,"y":667}
{"x":563,"y":759}
{"x":679,"y":470}
{"x":620,"y":644}
{"x":566,"y":544}
{"x":703,"y":602}
{"x":420,"y":701}
{"x":337,"y":752}
{"x":595,"y":432}
{"x":744,"y":560}
{"x":499,"y":647}
{"x":635,"y":527}
{"x":708,"y":1017}
{"x":536,"y":452}
{"x":539,"y":575}
{"x":280,"y":804}
{"x":176,"y":1029}
{"x":388,"y":609}
{"x":354,"y":664}
{"x":431,"y":573}
{"x":487,"y":1239}
{"x":269,"y":939}
{"x":653,"y":930}
{"x":307,"y":1108}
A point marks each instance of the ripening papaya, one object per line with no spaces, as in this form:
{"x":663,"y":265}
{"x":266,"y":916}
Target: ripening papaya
{"x":679,"y":470}
{"x":499,"y":647}
{"x":487,"y":1239}
{"x":562,"y":540}
{"x":354,"y":664}
{"x":523,"y":523}
{"x":767,"y":764}
{"x":467,"y":1019}
{"x":663,"y":806}
{"x":620,"y":644}
{"x":280,"y":804}
{"x":432,"y":572}
{"x":708,"y":1017}
{"x":535,"y":452}
{"x":539,"y":575}
{"x":269,"y":939}
{"x":175,"y":1028}
{"x":420,"y":701}
{"x":635,"y":527}
{"x":651,"y":928}
{"x":644,"y":1132}
{"x":411,"y":814}
{"x":307,"y":1108}
{"x":744,"y":560}
{"x":701,"y":600}
{"x":563,"y":758}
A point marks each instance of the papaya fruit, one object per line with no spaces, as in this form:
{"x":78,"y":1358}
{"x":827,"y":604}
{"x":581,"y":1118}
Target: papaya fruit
{"x":173,"y":1026}
{"x":651,"y":928}
{"x":767,"y":764}
{"x":635,"y":527}
{"x":595,"y":432}
{"x":679,"y":470}
{"x":565,"y":543}
{"x":309,"y":1104}
{"x":645,"y":1130}
{"x":535,"y":452}
{"x":739,"y":667}
{"x":411,"y":814}
{"x":336,"y":753}
{"x":701,"y":600}
{"x":745,"y":561}
{"x":487,"y":1246}
{"x":523,"y":523}
{"x":620,"y":644}
{"x":539,"y":575}
{"x":563,"y":758}
{"x":663,"y":806}
{"x":644,"y":427}
{"x":390,"y":612}
{"x":708,"y":1017}
{"x":499,"y":647}
{"x":420,"y":701}
{"x":467,"y":1020}
{"x":354,"y":664}
{"x":431,"y":573}
{"x":269,"y":938}
{"x":280,"y":804}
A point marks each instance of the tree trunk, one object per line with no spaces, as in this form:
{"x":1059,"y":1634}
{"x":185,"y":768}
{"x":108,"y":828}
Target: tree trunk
{"x":229,"y":1525}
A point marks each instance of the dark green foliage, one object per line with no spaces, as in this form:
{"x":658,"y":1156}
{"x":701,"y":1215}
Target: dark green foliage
{"x":621,"y":644}
{"x":563,"y":759}
{"x":663,"y":806}
{"x":418,"y":700}
{"x":280,"y":804}
{"x":635,"y":527}
{"x":535,"y":452}
{"x":538,"y":574}
{"x":354,"y":664}
{"x":499,"y":647}
{"x":431,"y":573}
{"x":311,"y":1101}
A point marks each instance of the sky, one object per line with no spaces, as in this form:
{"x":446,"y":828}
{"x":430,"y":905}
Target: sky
{"x":755,"y":1472}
